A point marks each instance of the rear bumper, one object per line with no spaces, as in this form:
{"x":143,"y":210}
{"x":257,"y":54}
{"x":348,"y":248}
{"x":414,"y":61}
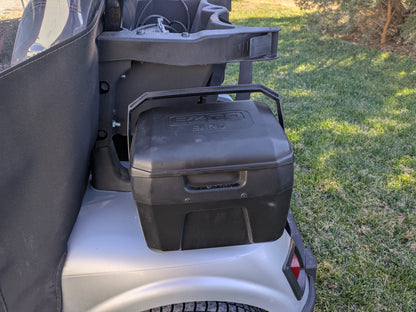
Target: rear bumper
{"x":308,"y":259}
{"x":310,"y":303}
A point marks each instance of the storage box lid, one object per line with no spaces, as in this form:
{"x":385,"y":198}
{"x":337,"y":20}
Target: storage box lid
{"x":201,"y":138}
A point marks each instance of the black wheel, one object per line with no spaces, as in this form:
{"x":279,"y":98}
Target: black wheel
{"x":207,"y":306}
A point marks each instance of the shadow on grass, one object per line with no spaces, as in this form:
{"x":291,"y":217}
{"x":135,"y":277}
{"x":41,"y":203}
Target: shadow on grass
{"x":350,"y":114}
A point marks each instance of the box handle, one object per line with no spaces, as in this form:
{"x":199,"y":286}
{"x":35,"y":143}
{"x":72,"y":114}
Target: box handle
{"x":202,"y":91}
{"x":215,"y":181}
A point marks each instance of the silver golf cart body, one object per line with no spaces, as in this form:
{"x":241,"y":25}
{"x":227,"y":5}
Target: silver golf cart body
{"x":110,"y":268}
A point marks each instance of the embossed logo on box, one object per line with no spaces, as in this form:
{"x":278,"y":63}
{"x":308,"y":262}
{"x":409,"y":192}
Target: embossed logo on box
{"x":215,"y":121}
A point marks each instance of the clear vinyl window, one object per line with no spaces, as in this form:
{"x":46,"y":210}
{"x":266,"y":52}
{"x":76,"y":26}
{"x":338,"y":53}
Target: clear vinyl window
{"x":30,"y":27}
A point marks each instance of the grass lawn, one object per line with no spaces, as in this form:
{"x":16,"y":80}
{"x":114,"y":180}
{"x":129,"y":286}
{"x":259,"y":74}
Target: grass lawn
{"x":350,"y":113}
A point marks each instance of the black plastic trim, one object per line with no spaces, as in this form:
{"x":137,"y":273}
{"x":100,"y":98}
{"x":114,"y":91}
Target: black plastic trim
{"x":211,"y":46}
{"x":308,"y":260}
{"x":297,"y":285}
{"x":310,"y":302}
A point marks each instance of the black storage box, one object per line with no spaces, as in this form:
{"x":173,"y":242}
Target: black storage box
{"x":209,"y":175}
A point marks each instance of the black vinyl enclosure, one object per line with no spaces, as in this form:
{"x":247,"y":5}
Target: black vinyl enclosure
{"x":48,"y":123}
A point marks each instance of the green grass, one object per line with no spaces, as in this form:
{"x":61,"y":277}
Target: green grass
{"x":350,"y":113}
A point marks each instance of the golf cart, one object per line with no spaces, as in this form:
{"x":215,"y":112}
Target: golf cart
{"x":131,"y":179}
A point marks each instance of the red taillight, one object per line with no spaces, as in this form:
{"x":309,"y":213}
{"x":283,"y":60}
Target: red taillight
{"x":295,"y":266}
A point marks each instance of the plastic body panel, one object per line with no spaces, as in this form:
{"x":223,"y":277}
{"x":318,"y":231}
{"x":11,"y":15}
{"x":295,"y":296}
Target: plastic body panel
{"x":175,"y":11}
{"x":137,"y":60}
{"x":110,"y":268}
{"x":210,"y":175}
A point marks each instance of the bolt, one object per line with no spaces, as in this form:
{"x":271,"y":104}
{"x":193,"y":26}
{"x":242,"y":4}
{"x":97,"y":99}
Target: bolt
{"x":243,"y":195}
{"x":116,"y":124}
{"x":102,"y":134}
{"x":185,"y":34}
{"x":104,"y":87}
{"x":123,"y":76}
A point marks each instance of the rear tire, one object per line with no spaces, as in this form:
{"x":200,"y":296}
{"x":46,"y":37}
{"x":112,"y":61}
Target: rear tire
{"x":206,"y":306}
